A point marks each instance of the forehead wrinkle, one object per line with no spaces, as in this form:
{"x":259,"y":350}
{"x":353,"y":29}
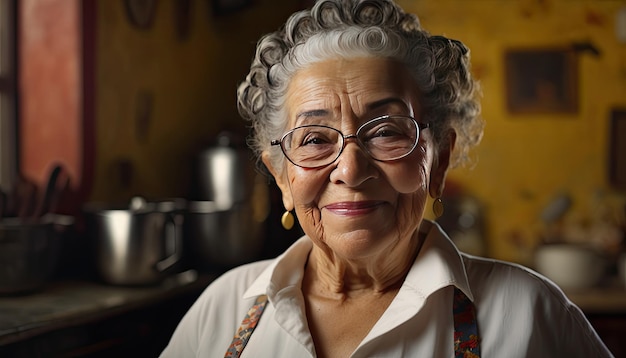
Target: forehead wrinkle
{"x":341,"y":92}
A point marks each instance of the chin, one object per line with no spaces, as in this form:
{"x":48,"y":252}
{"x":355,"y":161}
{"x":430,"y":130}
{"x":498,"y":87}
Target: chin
{"x":359,"y":244}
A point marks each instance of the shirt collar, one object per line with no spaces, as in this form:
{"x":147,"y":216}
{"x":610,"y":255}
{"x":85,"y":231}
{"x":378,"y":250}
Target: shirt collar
{"x":287,"y":270}
{"x":439,"y":264}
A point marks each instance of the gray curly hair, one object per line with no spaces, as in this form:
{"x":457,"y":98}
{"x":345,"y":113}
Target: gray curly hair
{"x":361,"y":28}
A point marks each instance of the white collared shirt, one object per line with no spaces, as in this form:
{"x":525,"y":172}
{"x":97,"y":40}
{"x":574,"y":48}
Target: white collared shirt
{"x":520,"y":313}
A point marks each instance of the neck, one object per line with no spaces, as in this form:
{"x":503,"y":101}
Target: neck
{"x":333,"y":277}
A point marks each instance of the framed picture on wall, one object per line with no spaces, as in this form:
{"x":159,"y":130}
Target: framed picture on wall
{"x":617,"y":149}
{"x":541,"y":81}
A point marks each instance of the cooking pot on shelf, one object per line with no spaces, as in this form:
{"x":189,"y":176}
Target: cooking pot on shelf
{"x":224,"y":172}
{"x":224,"y":225}
{"x":220,"y":239}
{"x":29,"y":251}
{"x":138,"y":244}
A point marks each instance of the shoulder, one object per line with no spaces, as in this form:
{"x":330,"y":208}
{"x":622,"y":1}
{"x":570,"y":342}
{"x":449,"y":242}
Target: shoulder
{"x":238,"y":279}
{"x":511,"y":297}
{"x":222,"y":304}
{"x":514,"y":284}
{"x":225,"y":295}
{"x":484,"y":273}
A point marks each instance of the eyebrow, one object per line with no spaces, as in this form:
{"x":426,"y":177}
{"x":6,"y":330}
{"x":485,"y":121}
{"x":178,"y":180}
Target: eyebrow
{"x":386,"y":101}
{"x":372,"y":106}
{"x":306,"y":115}
{"x":312,"y":113}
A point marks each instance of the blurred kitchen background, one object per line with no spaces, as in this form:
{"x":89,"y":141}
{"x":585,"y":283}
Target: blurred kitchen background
{"x":133,"y":98}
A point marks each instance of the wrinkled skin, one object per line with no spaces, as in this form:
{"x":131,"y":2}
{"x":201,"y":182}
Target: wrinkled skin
{"x":361,"y":214}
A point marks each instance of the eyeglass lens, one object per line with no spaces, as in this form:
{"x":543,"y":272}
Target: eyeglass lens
{"x":385,"y":138}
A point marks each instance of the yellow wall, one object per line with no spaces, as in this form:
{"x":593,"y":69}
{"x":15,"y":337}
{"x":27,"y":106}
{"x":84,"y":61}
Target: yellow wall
{"x":192,"y":81}
{"x":524,"y":160}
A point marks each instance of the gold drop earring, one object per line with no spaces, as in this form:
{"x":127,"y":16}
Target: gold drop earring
{"x":437,"y":208}
{"x":287,"y":220}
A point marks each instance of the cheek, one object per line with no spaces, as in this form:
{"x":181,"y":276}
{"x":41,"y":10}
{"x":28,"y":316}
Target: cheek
{"x":411,"y":183}
{"x":306,"y":185}
{"x":411,"y":178}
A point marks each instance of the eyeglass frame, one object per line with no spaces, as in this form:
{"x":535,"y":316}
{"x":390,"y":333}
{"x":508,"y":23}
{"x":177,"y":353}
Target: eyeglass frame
{"x":419,"y":125}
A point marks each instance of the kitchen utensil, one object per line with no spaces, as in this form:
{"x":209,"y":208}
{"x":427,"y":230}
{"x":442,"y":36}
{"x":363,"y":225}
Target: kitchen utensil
{"x":556,"y":208}
{"x":22,"y":201}
{"x":138,"y":246}
{"x":220,"y":239}
{"x":29,"y":252}
{"x":58,"y":180}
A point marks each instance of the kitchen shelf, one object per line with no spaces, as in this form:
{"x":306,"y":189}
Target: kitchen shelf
{"x":76,"y":311}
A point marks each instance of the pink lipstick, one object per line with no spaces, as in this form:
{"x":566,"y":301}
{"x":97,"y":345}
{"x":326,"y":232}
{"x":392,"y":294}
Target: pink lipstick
{"x":353,"y":208}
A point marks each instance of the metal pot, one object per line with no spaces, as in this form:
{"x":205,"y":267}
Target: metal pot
{"x":136,"y":245}
{"x":218,"y":238}
{"x":224,"y":173}
{"x":225,"y":221}
{"x":29,"y":252}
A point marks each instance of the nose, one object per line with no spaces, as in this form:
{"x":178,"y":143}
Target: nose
{"x":354,"y":166}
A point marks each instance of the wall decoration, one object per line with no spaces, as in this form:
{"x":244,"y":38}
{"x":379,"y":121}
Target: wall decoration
{"x":144,"y":113}
{"x":541,"y":80}
{"x":141,"y":12}
{"x":617,"y":149}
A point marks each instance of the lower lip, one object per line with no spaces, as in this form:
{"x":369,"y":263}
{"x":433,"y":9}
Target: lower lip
{"x":353,"y":210}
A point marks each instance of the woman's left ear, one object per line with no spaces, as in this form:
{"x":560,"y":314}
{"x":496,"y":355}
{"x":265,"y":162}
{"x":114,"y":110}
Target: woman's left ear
{"x":440,"y":165}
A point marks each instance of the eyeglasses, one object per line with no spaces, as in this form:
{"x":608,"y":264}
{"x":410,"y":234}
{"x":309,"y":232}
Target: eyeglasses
{"x":384,"y":138}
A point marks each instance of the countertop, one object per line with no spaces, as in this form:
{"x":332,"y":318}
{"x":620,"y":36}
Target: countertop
{"x":75,"y":302}
{"x":72,"y":303}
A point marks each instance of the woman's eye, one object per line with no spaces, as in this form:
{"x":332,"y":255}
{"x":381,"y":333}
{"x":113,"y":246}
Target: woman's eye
{"x":314,"y":138}
{"x":387,"y":131}
{"x":312,"y":141}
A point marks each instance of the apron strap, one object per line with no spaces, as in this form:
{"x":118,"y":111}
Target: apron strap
{"x":466,"y":341}
{"x":247,"y":327}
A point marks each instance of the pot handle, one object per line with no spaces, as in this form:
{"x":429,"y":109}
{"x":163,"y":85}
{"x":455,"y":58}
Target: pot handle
{"x":173,"y":238}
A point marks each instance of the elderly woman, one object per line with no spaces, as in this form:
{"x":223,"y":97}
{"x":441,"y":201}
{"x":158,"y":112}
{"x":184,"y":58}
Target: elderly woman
{"x":357,"y":114}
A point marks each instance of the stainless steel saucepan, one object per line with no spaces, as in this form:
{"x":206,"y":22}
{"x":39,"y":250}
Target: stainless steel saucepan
{"x":139,"y":244}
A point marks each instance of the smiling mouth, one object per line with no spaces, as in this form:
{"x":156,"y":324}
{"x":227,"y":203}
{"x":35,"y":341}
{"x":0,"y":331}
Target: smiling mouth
{"x":352,"y":208}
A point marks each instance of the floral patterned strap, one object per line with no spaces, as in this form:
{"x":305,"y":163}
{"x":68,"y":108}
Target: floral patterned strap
{"x":247,"y":327}
{"x":466,"y":342}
